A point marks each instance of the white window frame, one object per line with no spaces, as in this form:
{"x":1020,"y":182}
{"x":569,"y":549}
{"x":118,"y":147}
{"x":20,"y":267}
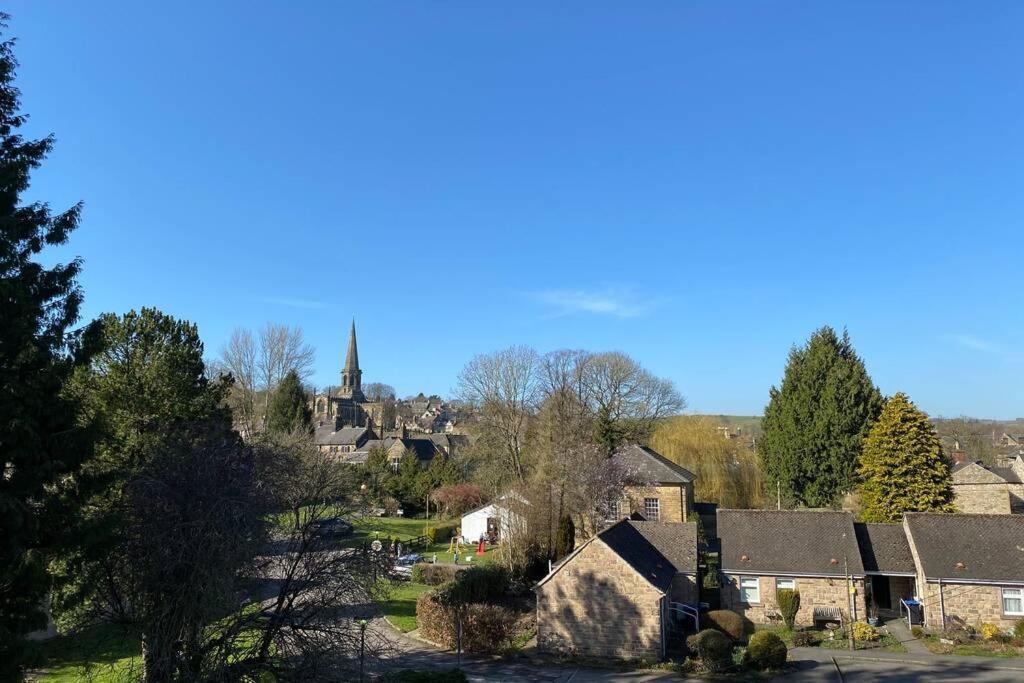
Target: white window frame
{"x":1015,"y":594}
{"x":756,"y":588}
{"x":657,"y":509}
{"x":791,"y":582}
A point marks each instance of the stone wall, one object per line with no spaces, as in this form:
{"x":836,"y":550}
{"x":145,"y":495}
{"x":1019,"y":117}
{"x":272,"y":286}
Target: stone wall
{"x":674,"y":503}
{"x":982,"y":498}
{"x":684,"y":589}
{"x":599,"y":606}
{"x":814,"y":592}
{"x":965,"y":605}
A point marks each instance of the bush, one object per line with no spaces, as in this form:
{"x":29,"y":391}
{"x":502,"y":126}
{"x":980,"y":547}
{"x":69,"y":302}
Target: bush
{"x":476,"y":584}
{"x":864,"y":632}
{"x":485,"y":628}
{"x":990,"y":631}
{"x":765,"y":651}
{"x":805,"y":639}
{"x":440,"y":533}
{"x":725,"y":621}
{"x":789,"y":605}
{"x":1018,"y":629}
{"x":918,"y":632}
{"x":433,"y":574}
{"x":713,"y":649}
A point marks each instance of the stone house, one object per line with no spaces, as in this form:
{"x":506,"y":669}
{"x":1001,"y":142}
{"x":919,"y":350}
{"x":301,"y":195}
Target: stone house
{"x":813,"y":552}
{"x":989,"y":490}
{"x":668,"y":494}
{"x":612,"y":597}
{"x":889,"y":566}
{"x":970,"y":568}
{"x":334,"y":439}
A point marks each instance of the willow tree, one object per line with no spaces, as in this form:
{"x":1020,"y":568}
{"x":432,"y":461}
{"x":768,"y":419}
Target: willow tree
{"x":902,"y":468}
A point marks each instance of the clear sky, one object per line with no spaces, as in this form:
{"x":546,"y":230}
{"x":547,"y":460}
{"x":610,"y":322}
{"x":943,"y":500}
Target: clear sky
{"x":698,"y":184}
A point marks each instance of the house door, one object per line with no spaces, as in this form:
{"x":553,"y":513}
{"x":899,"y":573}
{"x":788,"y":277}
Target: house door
{"x":492,"y":529}
{"x":880,"y":591}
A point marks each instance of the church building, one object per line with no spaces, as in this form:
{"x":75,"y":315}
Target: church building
{"x":347,"y":406}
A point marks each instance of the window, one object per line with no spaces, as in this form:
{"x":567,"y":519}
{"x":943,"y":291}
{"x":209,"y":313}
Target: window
{"x":785,"y":583}
{"x":750,"y":591}
{"x":1013,"y":601}
{"x":395,"y":462}
{"x":652,"y":509}
{"x":613,"y":510}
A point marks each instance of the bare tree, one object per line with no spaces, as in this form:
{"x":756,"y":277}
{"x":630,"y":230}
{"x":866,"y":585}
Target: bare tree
{"x":281,"y":349}
{"x":504,"y":387}
{"x":377,"y":391}
{"x":238,"y":356}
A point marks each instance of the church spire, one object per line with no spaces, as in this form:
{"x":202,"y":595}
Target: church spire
{"x":351,"y":375}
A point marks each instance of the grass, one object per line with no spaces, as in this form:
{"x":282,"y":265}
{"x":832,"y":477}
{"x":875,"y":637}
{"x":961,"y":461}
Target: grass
{"x":104,"y":654}
{"x":400,"y":607}
{"x":886,"y":641}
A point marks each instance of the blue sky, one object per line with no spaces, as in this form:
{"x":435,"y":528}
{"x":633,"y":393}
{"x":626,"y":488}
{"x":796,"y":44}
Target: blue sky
{"x":698,"y":184}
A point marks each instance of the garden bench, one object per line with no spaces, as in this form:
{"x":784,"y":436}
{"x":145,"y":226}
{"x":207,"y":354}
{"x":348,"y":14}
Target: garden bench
{"x":828,"y":614}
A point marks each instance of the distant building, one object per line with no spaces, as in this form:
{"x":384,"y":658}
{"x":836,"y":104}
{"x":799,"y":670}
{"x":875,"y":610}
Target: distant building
{"x":990,"y":490}
{"x":348,"y":406}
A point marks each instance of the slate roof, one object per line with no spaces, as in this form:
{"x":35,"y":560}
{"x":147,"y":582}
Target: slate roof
{"x":989,"y":547}
{"x":884,"y":548}
{"x":1006,"y":474}
{"x":326,"y":435}
{"x":809,"y":542}
{"x":652,"y":466}
{"x":656,"y":550}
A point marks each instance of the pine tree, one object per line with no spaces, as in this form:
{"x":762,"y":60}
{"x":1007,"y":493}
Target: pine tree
{"x":815,"y":424}
{"x":565,"y":540}
{"x":289,"y":409}
{"x":902,"y":468}
{"x":39,"y":443}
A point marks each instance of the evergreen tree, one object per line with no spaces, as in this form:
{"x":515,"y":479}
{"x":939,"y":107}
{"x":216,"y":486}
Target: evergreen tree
{"x":565,"y":541}
{"x":902,"y":468}
{"x":39,"y":443}
{"x":289,"y":409}
{"x":815,"y":424}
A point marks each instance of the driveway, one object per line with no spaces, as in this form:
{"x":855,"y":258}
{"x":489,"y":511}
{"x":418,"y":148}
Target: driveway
{"x":813,"y":665}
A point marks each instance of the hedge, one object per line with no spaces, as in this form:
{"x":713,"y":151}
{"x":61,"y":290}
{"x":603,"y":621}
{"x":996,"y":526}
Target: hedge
{"x":485,"y":628}
{"x":433,"y":574}
{"x":725,"y":621}
{"x":765,"y":651}
{"x":713,"y":649}
{"x":441,"y":532}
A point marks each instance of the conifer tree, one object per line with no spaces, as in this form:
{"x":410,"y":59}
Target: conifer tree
{"x":815,"y":423}
{"x":289,"y":409}
{"x":39,"y":443}
{"x":902,"y":468}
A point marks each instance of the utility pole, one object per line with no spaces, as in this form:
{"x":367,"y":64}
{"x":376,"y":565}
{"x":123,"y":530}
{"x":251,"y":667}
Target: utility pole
{"x":778,"y":495}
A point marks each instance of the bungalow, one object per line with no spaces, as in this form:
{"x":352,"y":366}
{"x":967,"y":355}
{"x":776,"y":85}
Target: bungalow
{"x":813,"y":552}
{"x":970,"y":568}
{"x":888,"y":564}
{"x":668,"y":494}
{"x":613,"y":596}
{"x":332,"y":438}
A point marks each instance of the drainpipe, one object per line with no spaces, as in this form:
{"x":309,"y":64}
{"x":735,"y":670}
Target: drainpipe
{"x":942,"y":607}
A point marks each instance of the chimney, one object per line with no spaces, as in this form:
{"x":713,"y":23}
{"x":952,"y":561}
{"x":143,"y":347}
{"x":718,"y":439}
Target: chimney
{"x":959,"y":456}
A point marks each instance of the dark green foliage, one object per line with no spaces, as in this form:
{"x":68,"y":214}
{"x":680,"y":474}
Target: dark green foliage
{"x":289,"y":409}
{"x":146,"y":382}
{"x":902,"y":468}
{"x":1018,"y":629}
{"x":410,"y":676}
{"x":918,"y":632}
{"x":815,"y":424}
{"x":789,"y":605}
{"x":433,"y":574}
{"x":38,"y":440}
{"x":765,"y":651}
{"x":485,"y":628}
{"x":725,"y":621}
{"x":477,"y":584}
{"x":805,"y":639}
{"x":441,"y":532}
{"x":565,"y":541}
{"x":712,"y":648}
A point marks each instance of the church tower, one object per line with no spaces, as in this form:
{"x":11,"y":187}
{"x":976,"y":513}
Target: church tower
{"x":351,"y":375}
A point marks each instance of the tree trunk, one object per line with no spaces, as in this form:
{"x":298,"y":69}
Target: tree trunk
{"x":157,"y":660}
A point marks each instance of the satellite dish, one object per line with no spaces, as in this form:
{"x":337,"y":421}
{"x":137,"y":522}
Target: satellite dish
{"x":376,"y":545}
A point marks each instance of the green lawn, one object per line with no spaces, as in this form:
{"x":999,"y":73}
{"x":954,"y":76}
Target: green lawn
{"x":979,"y":648}
{"x":400,"y":607}
{"x":103,"y":654}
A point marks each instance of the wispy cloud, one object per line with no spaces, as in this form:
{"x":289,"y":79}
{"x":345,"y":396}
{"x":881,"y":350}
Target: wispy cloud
{"x":619,"y":303}
{"x":292,"y":303}
{"x":969,"y":341}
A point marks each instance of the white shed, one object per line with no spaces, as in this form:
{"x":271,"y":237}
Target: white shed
{"x":493,"y":518}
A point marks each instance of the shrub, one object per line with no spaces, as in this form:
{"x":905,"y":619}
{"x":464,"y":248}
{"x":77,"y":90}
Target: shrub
{"x":713,"y":649}
{"x":864,"y":632}
{"x":805,"y":639}
{"x":433,"y":574}
{"x":458,"y":498}
{"x":765,"y":651}
{"x":487,"y":628}
{"x":789,"y":605}
{"x":917,"y":631}
{"x":990,"y":631}
{"x":725,"y":621}
{"x":440,"y":533}
{"x":436,"y":621}
{"x":476,"y":584}
{"x":1018,"y":629}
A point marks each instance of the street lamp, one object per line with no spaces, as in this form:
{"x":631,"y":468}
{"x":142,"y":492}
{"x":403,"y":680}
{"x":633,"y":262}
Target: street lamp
{"x":362,"y":648}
